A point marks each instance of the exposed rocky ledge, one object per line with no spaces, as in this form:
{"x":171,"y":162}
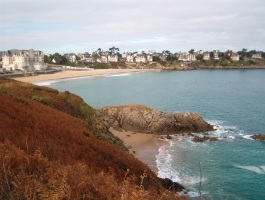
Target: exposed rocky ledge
{"x":141,"y":119}
{"x":260,"y":137}
{"x":204,"y":139}
{"x":170,"y":185}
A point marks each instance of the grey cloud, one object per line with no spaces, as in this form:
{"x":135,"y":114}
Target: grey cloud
{"x":132,"y":25}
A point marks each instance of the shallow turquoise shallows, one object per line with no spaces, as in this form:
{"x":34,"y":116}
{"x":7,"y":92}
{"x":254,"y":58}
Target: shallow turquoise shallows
{"x":232,"y":100}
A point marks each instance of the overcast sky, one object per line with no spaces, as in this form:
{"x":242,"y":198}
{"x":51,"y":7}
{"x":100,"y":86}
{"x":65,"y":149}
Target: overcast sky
{"x":67,"y":26}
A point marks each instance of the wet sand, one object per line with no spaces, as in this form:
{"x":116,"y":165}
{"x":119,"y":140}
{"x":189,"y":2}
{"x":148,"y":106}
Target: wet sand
{"x":143,"y":146}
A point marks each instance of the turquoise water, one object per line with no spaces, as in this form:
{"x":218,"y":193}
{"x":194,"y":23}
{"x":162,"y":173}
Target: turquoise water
{"x":232,"y":100}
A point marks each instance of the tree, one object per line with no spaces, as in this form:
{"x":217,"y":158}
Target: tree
{"x":263,"y":54}
{"x":211,"y":55}
{"x":191,"y":51}
{"x":58,"y":58}
{"x":99,"y":51}
{"x":114,"y":50}
{"x":243,"y":53}
{"x":95,"y":56}
{"x":171,"y":58}
{"x":199,"y":57}
{"x":167,"y":52}
{"x":156,"y":59}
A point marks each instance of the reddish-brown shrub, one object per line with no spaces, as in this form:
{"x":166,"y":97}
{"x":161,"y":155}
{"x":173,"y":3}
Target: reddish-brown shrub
{"x":44,"y":153}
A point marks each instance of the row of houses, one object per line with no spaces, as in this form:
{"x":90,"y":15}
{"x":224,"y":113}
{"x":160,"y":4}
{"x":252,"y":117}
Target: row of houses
{"x":31,"y":60}
{"x":207,"y":56}
{"x":189,"y":57}
{"x":105,"y":57}
{"x":25,"y":60}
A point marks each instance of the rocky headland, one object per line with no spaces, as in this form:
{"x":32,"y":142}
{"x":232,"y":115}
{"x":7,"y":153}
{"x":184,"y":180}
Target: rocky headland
{"x":141,"y":119}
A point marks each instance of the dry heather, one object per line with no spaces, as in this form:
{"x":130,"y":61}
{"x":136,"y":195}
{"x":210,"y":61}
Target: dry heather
{"x":46,"y":153}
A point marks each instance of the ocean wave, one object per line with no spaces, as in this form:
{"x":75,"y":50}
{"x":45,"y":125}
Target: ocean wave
{"x":168,"y":169}
{"x":163,"y":162}
{"x":50,"y":82}
{"x":195,"y":194}
{"x":248,"y":137}
{"x":115,"y":75}
{"x":256,"y":169}
{"x":44,"y":83}
{"x":225,"y":131}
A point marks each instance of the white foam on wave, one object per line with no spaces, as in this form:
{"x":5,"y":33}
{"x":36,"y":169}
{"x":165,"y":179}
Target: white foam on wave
{"x":166,"y":167}
{"x":164,"y":162}
{"x":115,"y":75}
{"x":194,"y":194}
{"x":248,"y":137}
{"x":231,"y":137}
{"x":44,"y":83}
{"x":214,"y":122}
{"x":226,"y":132}
{"x":50,"y":82}
{"x":256,"y":169}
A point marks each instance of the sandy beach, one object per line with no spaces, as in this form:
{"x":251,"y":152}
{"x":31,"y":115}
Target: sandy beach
{"x":75,"y":74}
{"x":143,"y":146}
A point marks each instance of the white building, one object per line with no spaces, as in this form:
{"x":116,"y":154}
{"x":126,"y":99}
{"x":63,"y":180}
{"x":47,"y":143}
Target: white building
{"x":113,"y":58}
{"x":149,"y":58}
{"x":182,"y":56}
{"x":86,"y":57}
{"x":129,"y":58}
{"x":235,"y":57}
{"x":140,"y":58}
{"x":191,"y":57}
{"x":206,"y":56}
{"x":103,"y":57}
{"x":216,"y":56}
{"x":124,"y":55}
{"x":25,"y":60}
{"x":71,"y":57}
{"x":257,"y":55}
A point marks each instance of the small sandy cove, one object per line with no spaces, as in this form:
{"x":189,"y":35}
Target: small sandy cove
{"x":74,"y":74}
{"x":143,"y":146}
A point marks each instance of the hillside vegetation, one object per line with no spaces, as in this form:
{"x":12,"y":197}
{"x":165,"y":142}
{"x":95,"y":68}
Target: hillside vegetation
{"x":50,"y":148}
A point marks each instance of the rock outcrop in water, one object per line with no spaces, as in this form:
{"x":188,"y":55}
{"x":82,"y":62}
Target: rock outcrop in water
{"x":171,"y":185}
{"x":204,"y":139}
{"x":139,"y":118}
{"x":260,"y":137}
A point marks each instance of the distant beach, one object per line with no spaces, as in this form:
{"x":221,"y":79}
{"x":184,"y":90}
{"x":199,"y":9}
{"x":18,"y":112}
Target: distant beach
{"x":74,"y":74}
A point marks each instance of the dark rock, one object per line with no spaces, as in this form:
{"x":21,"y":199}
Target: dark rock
{"x":213,"y":139}
{"x":205,"y":138}
{"x":169,"y":137}
{"x":200,"y":139}
{"x":260,"y":137}
{"x":170,"y":185}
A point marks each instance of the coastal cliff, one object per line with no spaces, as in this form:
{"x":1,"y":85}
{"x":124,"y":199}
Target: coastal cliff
{"x":52,"y":146}
{"x":141,"y":119}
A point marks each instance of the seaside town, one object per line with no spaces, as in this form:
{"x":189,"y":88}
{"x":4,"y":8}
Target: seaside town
{"x":31,"y":62}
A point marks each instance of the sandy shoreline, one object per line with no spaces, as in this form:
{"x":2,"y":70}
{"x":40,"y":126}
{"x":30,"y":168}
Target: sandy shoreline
{"x":144,"y":147}
{"x":75,"y":74}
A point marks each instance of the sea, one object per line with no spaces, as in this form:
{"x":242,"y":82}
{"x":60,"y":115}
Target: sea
{"x":231,"y":100}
